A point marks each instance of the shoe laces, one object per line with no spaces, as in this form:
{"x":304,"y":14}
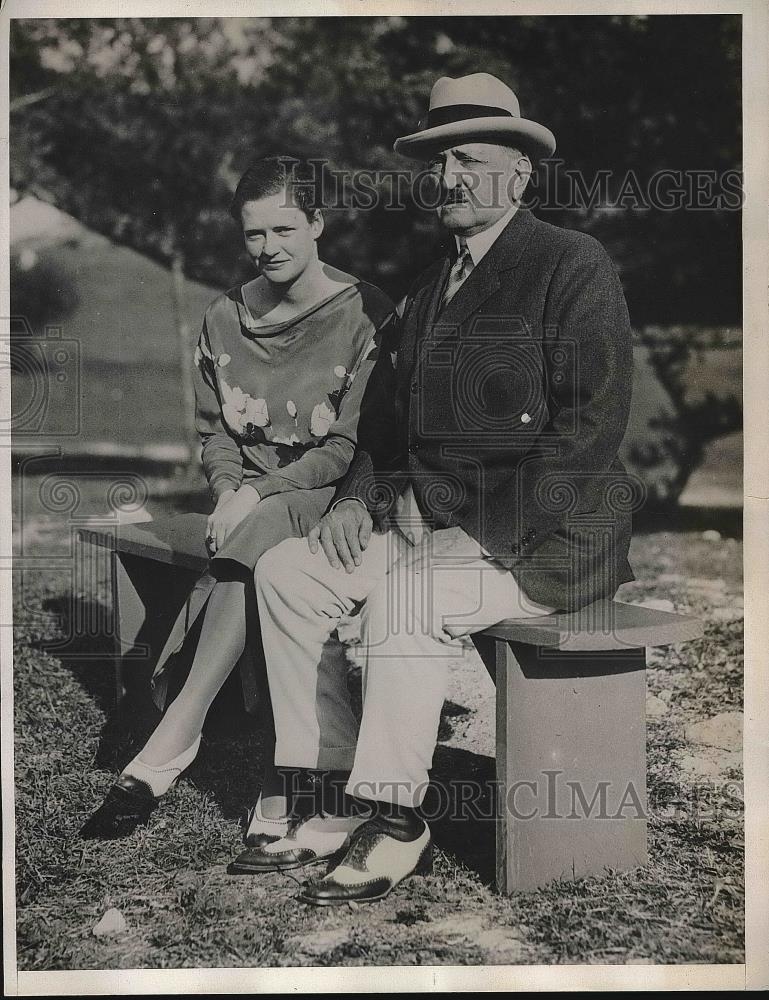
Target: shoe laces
{"x":362,"y":841}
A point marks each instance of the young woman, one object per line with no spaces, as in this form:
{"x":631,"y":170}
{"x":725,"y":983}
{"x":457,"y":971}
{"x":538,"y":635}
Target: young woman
{"x":280,"y":371}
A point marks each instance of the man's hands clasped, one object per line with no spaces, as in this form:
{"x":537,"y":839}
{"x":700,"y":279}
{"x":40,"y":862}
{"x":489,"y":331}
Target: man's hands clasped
{"x":343,"y":533}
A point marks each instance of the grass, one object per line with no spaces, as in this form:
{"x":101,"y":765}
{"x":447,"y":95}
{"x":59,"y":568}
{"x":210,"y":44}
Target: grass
{"x":182,"y":910}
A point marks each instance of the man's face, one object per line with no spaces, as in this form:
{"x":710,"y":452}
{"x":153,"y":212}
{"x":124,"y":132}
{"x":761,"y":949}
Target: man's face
{"x":478,"y":181}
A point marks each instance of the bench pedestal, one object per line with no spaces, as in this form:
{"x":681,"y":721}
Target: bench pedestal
{"x":571,"y":762}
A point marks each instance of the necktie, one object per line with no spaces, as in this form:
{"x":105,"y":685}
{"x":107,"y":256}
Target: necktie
{"x":460,"y":270}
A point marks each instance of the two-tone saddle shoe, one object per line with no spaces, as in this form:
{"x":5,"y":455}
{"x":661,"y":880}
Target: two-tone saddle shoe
{"x":380,"y":856}
{"x":310,"y":841}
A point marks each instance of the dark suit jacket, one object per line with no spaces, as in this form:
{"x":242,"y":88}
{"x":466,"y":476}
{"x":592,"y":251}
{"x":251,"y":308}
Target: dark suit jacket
{"x":506,"y":410}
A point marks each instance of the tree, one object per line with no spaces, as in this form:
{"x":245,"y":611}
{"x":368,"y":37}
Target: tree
{"x":132,"y":136}
{"x":140,"y":127}
{"x":147,"y":114}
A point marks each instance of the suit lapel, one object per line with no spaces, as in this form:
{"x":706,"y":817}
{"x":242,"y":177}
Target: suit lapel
{"x":436,"y":293}
{"x":417,"y":319}
{"x":503,"y":255}
{"x":425,"y":317}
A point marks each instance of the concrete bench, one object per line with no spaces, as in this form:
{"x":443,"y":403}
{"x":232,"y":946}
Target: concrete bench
{"x":571,"y":694}
{"x":153,"y":567}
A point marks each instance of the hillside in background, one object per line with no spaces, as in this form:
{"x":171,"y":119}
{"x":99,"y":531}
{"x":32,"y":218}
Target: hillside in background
{"x":116,"y":306}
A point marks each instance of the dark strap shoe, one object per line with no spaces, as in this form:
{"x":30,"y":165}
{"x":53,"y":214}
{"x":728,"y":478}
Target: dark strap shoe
{"x":379,"y":858}
{"x":127,"y":805}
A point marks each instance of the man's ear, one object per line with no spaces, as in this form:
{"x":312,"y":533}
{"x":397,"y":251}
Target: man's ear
{"x":316,"y":224}
{"x":523,"y":169}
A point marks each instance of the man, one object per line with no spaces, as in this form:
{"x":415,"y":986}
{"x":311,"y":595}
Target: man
{"x":487,"y":457}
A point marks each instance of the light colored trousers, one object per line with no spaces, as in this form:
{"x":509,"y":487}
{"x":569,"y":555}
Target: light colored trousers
{"x":417,"y":599}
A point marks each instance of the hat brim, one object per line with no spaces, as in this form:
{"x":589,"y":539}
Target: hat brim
{"x":533,"y":138}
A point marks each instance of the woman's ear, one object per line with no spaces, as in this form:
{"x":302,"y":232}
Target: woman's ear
{"x":316,"y":224}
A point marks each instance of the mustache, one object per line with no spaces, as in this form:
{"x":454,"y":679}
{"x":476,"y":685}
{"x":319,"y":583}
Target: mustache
{"x":456,"y":195}
{"x":431,"y":192}
{"x":441,"y":195}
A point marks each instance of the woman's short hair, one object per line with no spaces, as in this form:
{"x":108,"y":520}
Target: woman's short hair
{"x":273,"y":174}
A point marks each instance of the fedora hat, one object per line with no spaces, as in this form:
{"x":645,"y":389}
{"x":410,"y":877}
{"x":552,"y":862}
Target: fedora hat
{"x":475,"y":108}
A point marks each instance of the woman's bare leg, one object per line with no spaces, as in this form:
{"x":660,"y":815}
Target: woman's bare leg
{"x":221,"y":643}
{"x":219,"y":648}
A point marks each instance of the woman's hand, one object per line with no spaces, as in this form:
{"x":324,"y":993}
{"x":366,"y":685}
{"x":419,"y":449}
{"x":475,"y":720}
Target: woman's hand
{"x":231,"y":508}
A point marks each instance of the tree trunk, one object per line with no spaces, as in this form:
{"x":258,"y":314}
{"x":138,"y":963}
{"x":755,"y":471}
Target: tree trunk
{"x":186,"y":348}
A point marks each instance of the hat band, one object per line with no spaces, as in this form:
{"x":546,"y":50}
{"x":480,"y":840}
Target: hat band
{"x":462,"y":112}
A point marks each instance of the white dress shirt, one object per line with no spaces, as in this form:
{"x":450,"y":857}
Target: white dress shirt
{"x":480,"y":244}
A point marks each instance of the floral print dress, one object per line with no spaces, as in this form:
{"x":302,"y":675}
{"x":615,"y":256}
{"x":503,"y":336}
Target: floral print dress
{"x":277,"y":407}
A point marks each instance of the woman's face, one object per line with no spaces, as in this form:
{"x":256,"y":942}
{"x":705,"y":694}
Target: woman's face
{"x":279,"y":237}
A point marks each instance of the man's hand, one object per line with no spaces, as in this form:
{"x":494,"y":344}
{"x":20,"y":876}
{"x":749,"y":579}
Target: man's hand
{"x":344,"y":534}
{"x":231,"y":508}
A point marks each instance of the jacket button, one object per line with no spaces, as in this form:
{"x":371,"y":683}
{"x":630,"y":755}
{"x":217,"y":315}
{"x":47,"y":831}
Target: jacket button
{"x":415,"y":386}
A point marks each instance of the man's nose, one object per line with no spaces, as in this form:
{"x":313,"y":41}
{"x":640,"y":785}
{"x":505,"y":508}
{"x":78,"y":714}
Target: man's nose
{"x":451,"y":174}
{"x":269,"y":249}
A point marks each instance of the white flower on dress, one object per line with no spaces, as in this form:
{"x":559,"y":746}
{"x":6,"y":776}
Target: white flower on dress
{"x":340,"y":371}
{"x":291,"y":408}
{"x":289,"y":440}
{"x":321,"y":420}
{"x":234,"y":406}
{"x":239,"y":409}
{"x":223,"y":359}
{"x":256,"y":412}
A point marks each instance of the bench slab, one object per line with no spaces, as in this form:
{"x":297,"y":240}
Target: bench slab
{"x":177,"y":540}
{"x":603,"y":625}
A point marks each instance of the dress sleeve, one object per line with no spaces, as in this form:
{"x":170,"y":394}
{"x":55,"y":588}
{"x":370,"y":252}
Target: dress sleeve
{"x":221,"y":455}
{"x":330,"y":460}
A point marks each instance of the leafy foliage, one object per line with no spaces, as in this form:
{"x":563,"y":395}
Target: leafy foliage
{"x":140,"y":126}
{"x":700,"y":414}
